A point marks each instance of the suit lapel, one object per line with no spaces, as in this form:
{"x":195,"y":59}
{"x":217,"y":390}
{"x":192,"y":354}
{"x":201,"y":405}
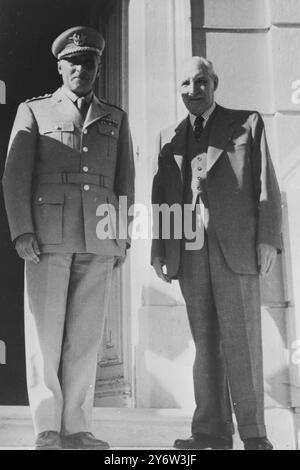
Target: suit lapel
{"x":179,"y":142}
{"x":220,"y":134}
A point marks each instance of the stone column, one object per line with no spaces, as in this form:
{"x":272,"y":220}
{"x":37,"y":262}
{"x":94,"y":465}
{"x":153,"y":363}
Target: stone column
{"x":285,"y":40}
{"x":159,"y":41}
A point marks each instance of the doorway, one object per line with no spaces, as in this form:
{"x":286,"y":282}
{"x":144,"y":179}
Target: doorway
{"x":27,"y":69}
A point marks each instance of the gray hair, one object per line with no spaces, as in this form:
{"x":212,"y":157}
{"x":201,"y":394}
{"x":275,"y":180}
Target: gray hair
{"x":202,"y":62}
{"x":208,"y":65}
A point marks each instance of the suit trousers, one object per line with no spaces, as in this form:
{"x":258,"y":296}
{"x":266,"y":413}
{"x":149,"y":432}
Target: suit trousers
{"x":225,"y":318}
{"x":65,"y":311}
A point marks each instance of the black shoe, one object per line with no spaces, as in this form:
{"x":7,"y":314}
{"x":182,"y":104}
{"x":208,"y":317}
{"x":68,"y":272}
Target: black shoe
{"x":83,"y":441}
{"x":257,"y":443}
{"x":201,"y":442}
{"x":48,"y":440}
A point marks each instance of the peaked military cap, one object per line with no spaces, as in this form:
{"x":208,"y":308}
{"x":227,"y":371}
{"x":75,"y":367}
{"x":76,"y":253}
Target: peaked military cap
{"x":76,"y":41}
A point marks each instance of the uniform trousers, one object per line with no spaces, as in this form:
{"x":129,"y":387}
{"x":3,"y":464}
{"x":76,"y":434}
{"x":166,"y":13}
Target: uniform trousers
{"x":65,"y":311}
{"x":225,"y":318}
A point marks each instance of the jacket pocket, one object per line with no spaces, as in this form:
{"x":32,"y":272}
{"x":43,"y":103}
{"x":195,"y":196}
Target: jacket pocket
{"x":48,"y":207}
{"x":61,"y":131}
{"x":110,"y":135}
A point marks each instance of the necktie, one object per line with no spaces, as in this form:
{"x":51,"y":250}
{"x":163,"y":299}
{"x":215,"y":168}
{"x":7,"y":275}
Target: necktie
{"x":82,"y":106}
{"x":198,"y":126}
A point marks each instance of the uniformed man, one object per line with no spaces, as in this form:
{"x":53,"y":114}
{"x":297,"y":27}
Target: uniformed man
{"x":70,"y":155}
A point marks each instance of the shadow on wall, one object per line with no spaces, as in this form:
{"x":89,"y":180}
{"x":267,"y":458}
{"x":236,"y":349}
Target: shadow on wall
{"x":165,"y":356}
{"x":273,"y":299}
{"x":278,"y":389}
{"x":165,"y":295}
{"x":297,"y":429}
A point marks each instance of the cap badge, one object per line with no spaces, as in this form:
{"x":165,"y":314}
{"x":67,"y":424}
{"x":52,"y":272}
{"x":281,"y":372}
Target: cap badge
{"x":78,"y":39}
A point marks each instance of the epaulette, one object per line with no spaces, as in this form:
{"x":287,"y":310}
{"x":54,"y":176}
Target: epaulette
{"x":109,"y":104}
{"x":36,"y":98}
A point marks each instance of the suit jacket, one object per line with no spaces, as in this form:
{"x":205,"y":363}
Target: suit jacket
{"x":60,"y":170}
{"x":242,"y":190}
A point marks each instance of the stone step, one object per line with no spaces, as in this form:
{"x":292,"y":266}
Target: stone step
{"x":133,"y":428}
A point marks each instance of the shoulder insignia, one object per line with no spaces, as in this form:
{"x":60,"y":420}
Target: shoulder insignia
{"x":37,"y":98}
{"x":112,"y":105}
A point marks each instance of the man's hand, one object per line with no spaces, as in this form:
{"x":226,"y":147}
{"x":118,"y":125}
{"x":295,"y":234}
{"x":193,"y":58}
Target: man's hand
{"x":266,"y":255}
{"x":158,"y":265}
{"x":28,"y":248}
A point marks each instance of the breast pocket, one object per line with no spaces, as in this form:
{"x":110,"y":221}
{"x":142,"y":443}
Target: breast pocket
{"x":61,"y":131}
{"x":48,"y":205}
{"x":109,"y":135}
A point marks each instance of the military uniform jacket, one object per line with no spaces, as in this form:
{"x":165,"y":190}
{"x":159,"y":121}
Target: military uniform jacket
{"x":62,"y":172}
{"x":242,"y":189}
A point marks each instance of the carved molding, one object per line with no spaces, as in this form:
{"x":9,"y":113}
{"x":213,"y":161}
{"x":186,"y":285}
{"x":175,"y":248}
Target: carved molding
{"x":113,"y":392}
{"x":2,"y":353}
{"x":111,"y":350}
{"x":2,"y":92}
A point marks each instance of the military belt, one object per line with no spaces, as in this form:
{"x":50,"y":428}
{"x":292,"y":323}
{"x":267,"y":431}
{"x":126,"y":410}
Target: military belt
{"x":75,"y":178}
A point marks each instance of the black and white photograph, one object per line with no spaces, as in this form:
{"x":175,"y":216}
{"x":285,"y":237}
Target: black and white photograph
{"x":149,"y":227}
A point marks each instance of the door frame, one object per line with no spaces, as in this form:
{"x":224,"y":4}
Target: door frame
{"x":116,"y":92}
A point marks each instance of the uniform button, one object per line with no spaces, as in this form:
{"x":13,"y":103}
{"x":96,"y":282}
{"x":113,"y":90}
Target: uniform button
{"x":199,"y":168}
{"x":85,"y":149}
{"x":85,"y":169}
{"x":200,"y":159}
{"x":199,"y":177}
{"x":86,"y":187}
{"x":40,"y":199}
{"x":85,"y":131}
{"x":112,"y":133}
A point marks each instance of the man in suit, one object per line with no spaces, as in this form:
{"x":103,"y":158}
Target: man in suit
{"x":216,"y":164}
{"x":70,"y":158}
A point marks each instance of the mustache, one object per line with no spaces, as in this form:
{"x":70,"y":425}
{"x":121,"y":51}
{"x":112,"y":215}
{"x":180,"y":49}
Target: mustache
{"x":80,"y":75}
{"x":196,"y":98}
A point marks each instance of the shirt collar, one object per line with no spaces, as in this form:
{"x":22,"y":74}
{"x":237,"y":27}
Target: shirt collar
{"x":73,"y":97}
{"x":206,"y":115}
